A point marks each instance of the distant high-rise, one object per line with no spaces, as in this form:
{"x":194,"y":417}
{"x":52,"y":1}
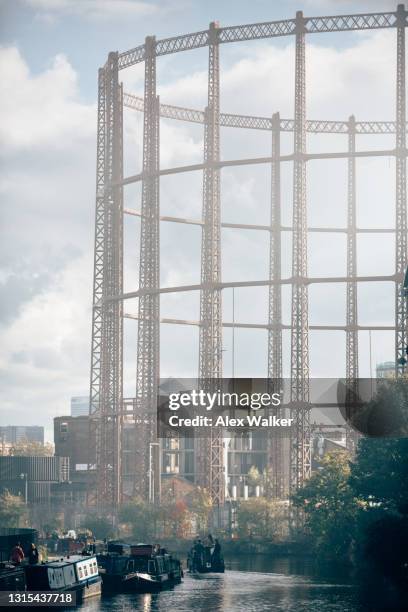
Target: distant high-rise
{"x":80,"y":406}
{"x":10,"y":434}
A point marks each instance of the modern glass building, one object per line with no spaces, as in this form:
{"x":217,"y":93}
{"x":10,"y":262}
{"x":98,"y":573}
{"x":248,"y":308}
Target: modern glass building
{"x":80,"y":405}
{"x":10,"y":434}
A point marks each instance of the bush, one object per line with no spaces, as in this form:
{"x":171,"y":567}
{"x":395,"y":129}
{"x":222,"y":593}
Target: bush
{"x":100,"y":526}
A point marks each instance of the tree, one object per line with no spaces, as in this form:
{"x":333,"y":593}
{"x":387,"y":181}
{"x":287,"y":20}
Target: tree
{"x":142,"y":518}
{"x":329,"y":506}
{"x":268,"y":482}
{"x":386,"y":415}
{"x":13,"y":511}
{"x":200,"y":505}
{"x":47,"y":518}
{"x":177,"y":519}
{"x":54,"y":524}
{"x":254,"y":477}
{"x":379,"y":475}
{"x":100,"y":526}
{"x":24,"y":448}
{"x":263,"y":479}
{"x":379,"y":478}
{"x":359,"y":511}
{"x":259,"y":518}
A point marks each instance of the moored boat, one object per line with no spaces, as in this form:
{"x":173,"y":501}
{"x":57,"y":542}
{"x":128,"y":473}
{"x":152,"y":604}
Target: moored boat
{"x":76,"y":573}
{"x":138,"y":568}
{"x":12,"y":577}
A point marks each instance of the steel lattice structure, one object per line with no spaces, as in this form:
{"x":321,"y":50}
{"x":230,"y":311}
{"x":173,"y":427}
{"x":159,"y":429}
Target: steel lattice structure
{"x":210,"y":450}
{"x":275,"y":443}
{"x":148,"y":346}
{"x":108,"y":297}
{"x":107,"y":323}
{"x":351,"y":302}
{"x":300,"y":459}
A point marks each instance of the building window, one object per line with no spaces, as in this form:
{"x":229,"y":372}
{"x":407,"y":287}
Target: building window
{"x":189,"y":463}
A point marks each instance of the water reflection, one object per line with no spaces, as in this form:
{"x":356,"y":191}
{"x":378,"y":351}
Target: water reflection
{"x":251,"y":584}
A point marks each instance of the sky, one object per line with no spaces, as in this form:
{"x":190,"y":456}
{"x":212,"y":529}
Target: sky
{"x":49,"y":55}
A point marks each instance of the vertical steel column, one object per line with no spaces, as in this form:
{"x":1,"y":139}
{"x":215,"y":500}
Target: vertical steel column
{"x":351,"y":308}
{"x":107,"y":331}
{"x":275,"y":441}
{"x":210,"y":456}
{"x":98,"y":247}
{"x":96,"y":341}
{"x":300,"y":460}
{"x":148,"y":344}
{"x":401,"y":261}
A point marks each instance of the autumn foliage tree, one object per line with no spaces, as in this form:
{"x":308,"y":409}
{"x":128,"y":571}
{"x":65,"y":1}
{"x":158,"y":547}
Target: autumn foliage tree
{"x":25,"y":448}
{"x":13,"y":511}
{"x":179,"y":519}
{"x":260,"y":518}
{"x":200,"y":505}
{"x":142,"y":518}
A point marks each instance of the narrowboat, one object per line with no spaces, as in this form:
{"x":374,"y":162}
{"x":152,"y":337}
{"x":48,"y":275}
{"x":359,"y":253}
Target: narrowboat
{"x":76,"y":573}
{"x":12,"y":577}
{"x":138,"y":568}
{"x":204,"y":561}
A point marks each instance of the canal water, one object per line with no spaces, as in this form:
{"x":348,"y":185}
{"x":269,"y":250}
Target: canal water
{"x":249,"y":584}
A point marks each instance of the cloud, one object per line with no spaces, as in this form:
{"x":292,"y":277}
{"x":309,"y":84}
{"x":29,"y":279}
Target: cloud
{"x":47,"y":190}
{"x":355,"y":6}
{"x":97,"y":9}
{"x":17,"y":290}
{"x":26,"y":275}
{"x":41,"y":110}
{"x":45,"y":349}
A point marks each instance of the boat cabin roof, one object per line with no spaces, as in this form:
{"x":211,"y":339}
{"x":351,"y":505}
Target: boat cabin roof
{"x":69,"y":560}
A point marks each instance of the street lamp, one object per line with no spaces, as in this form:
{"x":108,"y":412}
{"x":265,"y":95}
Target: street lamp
{"x":151,"y":472}
{"x":25,"y":478}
